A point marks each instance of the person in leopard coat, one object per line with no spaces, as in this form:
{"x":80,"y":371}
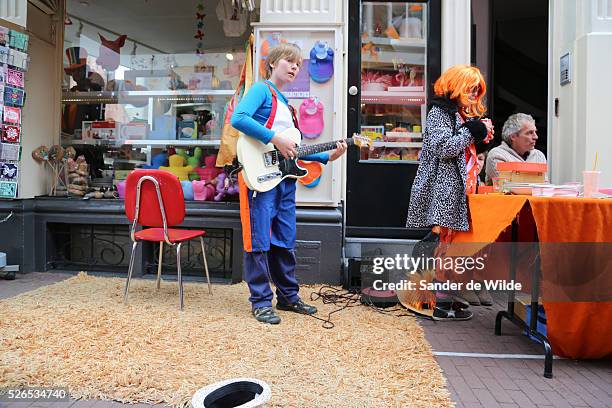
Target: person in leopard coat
{"x":448,"y":168}
{"x":438,"y":195}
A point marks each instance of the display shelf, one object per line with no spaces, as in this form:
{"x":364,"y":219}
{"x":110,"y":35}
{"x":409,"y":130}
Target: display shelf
{"x":112,"y":160}
{"x":168,"y":142}
{"x":183,"y":95}
{"x":397,"y":43}
{"x":411,"y":135}
{"x":94,"y":142}
{"x":397,"y":144}
{"x":383,"y":161}
{"x":389,"y":57}
{"x":392,"y":98}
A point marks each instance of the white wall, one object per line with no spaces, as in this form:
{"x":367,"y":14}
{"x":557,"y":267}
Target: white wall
{"x":41,"y":113}
{"x":582,"y":128}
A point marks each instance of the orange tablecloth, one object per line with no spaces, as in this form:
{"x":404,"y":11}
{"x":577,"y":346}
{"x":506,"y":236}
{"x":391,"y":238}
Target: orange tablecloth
{"x":574,"y":329}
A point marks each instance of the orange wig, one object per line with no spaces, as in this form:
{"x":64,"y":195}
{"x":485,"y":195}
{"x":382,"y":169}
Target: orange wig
{"x":457,"y":83}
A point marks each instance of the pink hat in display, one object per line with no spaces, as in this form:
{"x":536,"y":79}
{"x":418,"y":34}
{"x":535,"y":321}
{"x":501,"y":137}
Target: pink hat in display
{"x":311,"y":118}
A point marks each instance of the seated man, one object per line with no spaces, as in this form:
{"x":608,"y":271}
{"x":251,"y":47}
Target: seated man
{"x":518,"y":144}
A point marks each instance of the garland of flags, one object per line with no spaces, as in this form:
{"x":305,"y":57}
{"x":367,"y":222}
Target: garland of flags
{"x":199,"y":35}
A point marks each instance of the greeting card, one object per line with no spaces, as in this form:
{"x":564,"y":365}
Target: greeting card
{"x":4,"y":35}
{"x":4,"y":53}
{"x":9,"y":151}
{"x":8,"y":189}
{"x":9,"y":171}
{"x":14,"y":77}
{"x":11,"y":134}
{"x":12,"y":115}
{"x":18,"y":59}
{"x":13,"y":96}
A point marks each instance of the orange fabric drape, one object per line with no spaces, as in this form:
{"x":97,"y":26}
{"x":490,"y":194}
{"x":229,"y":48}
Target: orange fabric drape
{"x":574,"y":329}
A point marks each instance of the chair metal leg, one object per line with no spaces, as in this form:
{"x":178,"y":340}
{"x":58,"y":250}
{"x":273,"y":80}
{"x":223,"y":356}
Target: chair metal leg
{"x":159,"y":262}
{"x":178,"y":270}
{"x":206,"y":265}
{"x":130,"y":270}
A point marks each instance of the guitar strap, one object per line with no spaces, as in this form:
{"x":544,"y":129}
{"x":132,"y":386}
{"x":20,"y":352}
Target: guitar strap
{"x":273,"y":111}
{"x":270,"y":121}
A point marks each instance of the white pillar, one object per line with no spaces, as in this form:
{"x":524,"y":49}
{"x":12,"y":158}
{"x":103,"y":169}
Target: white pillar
{"x":456,"y":33}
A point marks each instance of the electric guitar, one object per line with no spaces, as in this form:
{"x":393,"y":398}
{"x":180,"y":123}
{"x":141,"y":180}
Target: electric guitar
{"x":264,"y":167}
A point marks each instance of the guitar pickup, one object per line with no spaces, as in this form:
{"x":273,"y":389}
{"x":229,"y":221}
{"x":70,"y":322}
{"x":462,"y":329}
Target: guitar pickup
{"x":270,"y":158}
{"x":269,"y":176}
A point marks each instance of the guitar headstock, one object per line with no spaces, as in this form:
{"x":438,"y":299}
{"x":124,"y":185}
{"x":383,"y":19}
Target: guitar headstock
{"x":362,"y":141}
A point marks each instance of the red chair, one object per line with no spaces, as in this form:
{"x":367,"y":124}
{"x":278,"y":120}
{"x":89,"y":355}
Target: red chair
{"x":154,"y":198}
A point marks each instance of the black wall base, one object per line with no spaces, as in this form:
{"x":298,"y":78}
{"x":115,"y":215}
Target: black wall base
{"x":29,"y":236}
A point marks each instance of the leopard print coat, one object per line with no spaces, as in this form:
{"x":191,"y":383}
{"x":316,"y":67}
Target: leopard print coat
{"x":438,"y":192}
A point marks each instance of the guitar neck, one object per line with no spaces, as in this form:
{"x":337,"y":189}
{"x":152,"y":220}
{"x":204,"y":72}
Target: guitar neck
{"x":321,"y":147}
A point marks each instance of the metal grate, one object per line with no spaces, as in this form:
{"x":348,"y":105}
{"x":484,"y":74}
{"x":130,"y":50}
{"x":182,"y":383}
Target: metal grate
{"x":107,"y":248}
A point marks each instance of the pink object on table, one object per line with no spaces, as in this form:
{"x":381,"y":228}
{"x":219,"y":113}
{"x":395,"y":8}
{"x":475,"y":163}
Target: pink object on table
{"x":121,"y":189}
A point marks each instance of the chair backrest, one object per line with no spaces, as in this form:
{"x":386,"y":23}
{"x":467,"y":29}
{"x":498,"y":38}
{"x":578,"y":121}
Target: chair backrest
{"x":150,"y":210}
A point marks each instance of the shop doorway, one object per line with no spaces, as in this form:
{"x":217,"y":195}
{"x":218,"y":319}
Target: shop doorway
{"x":510,"y":45}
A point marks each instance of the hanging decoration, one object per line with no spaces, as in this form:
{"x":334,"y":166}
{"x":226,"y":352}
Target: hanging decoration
{"x":199,"y":35}
{"x":109,"y":56}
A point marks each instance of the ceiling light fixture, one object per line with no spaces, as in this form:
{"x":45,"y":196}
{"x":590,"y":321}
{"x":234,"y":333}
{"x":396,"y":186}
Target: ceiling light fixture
{"x":84,"y":3}
{"x":229,"y":56}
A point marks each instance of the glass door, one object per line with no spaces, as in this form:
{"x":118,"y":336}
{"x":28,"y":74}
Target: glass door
{"x":393,"y":78}
{"x":394,"y":56}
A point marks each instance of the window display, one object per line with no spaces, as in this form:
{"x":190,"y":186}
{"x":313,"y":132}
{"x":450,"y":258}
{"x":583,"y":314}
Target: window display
{"x":143,"y":90}
{"x":393,"y":78}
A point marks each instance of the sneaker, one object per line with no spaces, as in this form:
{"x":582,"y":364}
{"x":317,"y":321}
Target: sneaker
{"x":266,"y":314}
{"x":298,"y":307}
{"x":443,"y":313}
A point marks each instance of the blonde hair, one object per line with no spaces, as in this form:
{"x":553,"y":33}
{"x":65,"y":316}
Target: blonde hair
{"x":457,"y":83}
{"x":286,"y":51}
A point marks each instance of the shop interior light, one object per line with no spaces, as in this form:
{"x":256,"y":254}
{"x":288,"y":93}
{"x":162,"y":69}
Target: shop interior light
{"x":229,"y":56}
{"x":84,"y":3}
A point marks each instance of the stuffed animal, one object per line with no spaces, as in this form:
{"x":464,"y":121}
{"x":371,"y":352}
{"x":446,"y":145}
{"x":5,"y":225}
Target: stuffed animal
{"x":157,"y":161}
{"x":203,"y":191}
{"x":225,"y":187}
{"x":177,"y":167}
{"x":195,"y":159}
{"x":210,"y":172}
{"x":187,"y":190}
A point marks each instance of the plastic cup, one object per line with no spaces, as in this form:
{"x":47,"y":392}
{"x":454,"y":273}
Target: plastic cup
{"x":590,"y":180}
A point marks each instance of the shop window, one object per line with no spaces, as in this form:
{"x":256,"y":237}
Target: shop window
{"x":393,"y":80}
{"x":148,"y":81}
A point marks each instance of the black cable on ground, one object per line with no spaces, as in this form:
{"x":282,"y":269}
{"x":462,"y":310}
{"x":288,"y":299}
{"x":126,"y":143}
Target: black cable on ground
{"x":347,"y":298}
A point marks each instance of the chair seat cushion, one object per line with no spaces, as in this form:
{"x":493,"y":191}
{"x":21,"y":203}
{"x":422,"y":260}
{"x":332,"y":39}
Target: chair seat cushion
{"x":175,"y":235}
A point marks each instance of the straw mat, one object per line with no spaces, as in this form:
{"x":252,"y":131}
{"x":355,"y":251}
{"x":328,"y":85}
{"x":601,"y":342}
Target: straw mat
{"x":79,"y":334}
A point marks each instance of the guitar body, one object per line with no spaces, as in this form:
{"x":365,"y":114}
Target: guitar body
{"x":263,"y":167}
